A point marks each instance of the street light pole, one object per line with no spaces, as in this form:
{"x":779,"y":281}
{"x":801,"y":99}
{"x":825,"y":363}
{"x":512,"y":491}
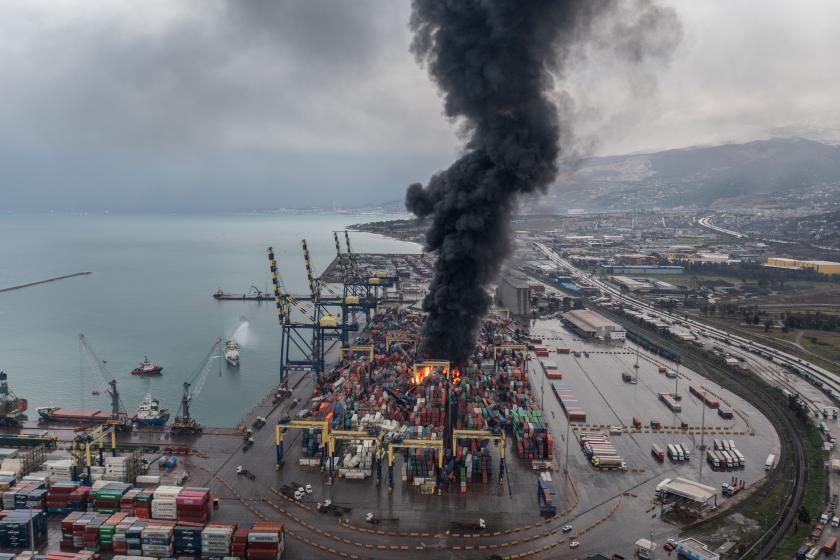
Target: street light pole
{"x":566,"y":462}
{"x":703,"y":425}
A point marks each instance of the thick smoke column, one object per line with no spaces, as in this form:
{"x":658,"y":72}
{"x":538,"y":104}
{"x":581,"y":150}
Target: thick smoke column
{"x":494,"y":61}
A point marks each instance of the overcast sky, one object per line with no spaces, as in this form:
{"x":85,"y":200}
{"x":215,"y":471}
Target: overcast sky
{"x":256,"y":104}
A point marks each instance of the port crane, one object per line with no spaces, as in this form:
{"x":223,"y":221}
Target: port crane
{"x":305,"y":336}
{"x":118,"y":418}
{"x":184,"y":423}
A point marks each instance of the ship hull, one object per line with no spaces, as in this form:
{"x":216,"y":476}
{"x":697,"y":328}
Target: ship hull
{"x":154,"y":371}
{"x":160,"y":421}
{"x":77,"y":416}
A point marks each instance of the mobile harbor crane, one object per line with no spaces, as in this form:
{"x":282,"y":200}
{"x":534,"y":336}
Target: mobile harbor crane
{"x":184,"y":423}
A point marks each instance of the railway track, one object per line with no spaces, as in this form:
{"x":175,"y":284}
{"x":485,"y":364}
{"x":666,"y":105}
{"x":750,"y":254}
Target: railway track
{"x":792,"y":446}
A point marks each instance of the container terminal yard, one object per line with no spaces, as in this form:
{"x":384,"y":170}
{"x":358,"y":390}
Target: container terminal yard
{"x":553,"y":440}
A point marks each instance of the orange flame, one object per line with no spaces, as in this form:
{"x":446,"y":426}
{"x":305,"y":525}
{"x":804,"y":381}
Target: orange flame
{"x":423,"y":372}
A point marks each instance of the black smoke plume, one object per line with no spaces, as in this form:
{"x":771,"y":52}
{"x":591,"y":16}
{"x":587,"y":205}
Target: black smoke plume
{"x":494,"y":61}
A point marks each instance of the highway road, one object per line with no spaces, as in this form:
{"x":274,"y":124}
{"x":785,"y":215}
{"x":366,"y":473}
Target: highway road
{"x":707,"y":223}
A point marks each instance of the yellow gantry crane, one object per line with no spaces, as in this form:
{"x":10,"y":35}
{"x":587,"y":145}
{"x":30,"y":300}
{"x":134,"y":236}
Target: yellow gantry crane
{"x":91,"y":441}
{"x":436,"y":444}
{"x":400,"y":336}
{"x":289,"y":424}
{"x":366,"y":349}
{"x":492,"y":435}
{"x":336,"y":435}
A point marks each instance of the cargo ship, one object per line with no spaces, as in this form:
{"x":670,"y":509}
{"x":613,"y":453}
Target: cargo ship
{"x":150,"y":413}
{"x":147,"y":368}
{"x":11,"y":407}
{"x":76,"y":415}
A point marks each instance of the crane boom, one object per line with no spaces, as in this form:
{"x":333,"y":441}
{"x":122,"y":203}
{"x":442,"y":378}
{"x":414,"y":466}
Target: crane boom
{"x":103,"y":376}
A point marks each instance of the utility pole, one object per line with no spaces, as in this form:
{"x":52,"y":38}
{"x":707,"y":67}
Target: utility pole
{"x":677,"y":382}
{"x":566,"y":462}
{"x":703,"y":426}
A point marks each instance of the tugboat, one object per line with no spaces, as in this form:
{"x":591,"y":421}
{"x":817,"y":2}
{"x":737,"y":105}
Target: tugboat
{"x":232,"y":352}
{"x":150,"y":413}
{"x":147,"y":368}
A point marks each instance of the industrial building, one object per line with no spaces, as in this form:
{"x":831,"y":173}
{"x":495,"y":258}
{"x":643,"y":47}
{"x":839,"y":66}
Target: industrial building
{"x":692,"y":549}
{"x":588,"y":324}
{"x":645,"y":285}
{"x":688,"y":495}
{"x":640,"y":270}
{"x":821,"y":267}
{"x":514,"y":293}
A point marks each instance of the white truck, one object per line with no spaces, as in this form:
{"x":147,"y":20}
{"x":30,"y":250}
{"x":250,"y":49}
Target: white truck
{"x":770,"y":462}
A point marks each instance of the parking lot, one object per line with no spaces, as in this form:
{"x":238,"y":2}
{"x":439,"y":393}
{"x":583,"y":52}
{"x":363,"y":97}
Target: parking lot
{"x":608,"y":401}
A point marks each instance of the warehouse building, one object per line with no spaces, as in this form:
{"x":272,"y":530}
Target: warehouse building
{"x":514,"y":293}
{"x":822,"y":267}
{"x":588,"y":324}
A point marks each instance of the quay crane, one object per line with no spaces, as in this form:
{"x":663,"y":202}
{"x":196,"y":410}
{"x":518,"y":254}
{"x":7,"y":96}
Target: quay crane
{"x":118,"y":418}
{"x":184,"y":423}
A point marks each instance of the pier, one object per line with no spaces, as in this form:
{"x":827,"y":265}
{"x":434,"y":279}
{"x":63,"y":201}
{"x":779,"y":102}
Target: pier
{"x":30,"y":284}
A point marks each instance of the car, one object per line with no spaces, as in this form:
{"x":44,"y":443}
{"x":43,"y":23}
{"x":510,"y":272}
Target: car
{"x":672,"y":542}
{"x":567,"y":528}
{"x":308,"y":488}
{"x":574,"y":544}
{"x":668,"y":547}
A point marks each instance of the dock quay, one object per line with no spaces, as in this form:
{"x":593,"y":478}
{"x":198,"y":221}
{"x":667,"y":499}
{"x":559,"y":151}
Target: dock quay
{"x":465,"y":460}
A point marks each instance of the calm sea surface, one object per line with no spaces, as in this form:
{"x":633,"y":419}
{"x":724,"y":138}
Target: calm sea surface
{"x":150,"y":294}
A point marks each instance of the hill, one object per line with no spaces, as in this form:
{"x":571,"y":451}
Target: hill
{"x":765,"y":173}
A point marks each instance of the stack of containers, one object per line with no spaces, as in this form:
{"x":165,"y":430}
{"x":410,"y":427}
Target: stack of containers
{"x":157,"y":540}
{"x":116,"y":468}
{"x":120,"y":539}
{"x":266,"y":541}
{"x":66,"y":496}
{"x":15,"y":528}
{"x":143,"y":503}
{"x":74,"y":534}
{"x":571,"y":406}
{"x":164,"y":505}
{"x":240,"y":542}
{"x":312,"y":448}
{"x":7,"y":480}
{"x":67,"y":523}
{"x":216,"y":540}
{"x":30,"y":495}
{"x":60,"y":469}
{"x":187,"y":540}
{"x":107,"y":530}
{"x":533,"y":440}
{"x":193,"y":505}
{"x":134,"y":539}
{"x":127,"y":500}
{"x":11,"y":465}
{"x":106,"y":496}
